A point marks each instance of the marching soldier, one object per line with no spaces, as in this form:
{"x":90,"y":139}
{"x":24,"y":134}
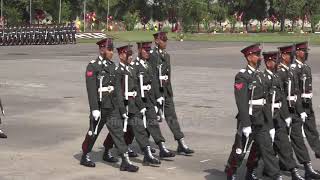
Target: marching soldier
{"x":131,"y":106}
{"x":2,"y":134}
{"x":149,"y":93}
{"x":250,"y":87}
{"x":280,"y":115}
{"x":103,"y":93}
{"x":305,"y":87}
{"x":161,"y":67}
{"x":74,"y":32}
{"x":288,"y":73}
{"x":1,"y":36}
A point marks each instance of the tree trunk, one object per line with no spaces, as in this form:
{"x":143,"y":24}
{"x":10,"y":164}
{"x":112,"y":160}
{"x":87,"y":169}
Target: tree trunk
{"x":303,"y":20}
{"x":273,"y":27}
{"x":292,"y":25}
{"x":282,"y":21}
{"x":198,"y":27}
{"x":261,"y":26}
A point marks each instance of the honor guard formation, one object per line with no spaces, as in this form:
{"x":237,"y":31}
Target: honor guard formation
{"x":131,"y":99}
{"x":37,"y":35}
{"x":275,"y":113}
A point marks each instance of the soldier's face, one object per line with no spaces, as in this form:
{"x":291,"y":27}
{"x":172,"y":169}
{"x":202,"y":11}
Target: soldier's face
{"x":302,"y":55}
{"x":145,"y":54}
{"x":254,"y":59}
{"x":271,"y":65}
{"x":161,"y":44}
{"x":286,"y":58}
{"x":107,"y":53}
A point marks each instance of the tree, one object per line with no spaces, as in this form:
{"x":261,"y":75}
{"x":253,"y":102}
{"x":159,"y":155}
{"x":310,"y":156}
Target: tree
{"x":313,"y":10}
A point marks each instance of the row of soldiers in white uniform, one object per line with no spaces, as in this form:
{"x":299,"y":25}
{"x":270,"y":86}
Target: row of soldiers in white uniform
{"x":37,"y":35}
{"x":275,"y":113}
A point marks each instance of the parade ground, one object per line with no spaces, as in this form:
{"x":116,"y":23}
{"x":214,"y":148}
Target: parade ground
{"x":45,"y":100}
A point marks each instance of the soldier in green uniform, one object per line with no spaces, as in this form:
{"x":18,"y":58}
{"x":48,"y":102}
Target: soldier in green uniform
{"x":280,"y":115}
{"x":305,"y":87}
{"x":149,"y":93}
{"x":161,"y":67}
{"x":288,"y":72}
{"x":2,"y":134}
{"x":253,"y":117}
{"x":103,"y":93}
{"x":131,"y":105}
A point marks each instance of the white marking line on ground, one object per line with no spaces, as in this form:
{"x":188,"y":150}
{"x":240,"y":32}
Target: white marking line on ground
{"x":213,"y":48}
{"x":150,"y":178}
{"x":171,"y":168}
{"x":205,"y":160}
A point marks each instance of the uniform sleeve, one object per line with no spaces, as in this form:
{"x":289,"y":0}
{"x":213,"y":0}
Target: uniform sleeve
{"x":169,"y":73}
{"x":138,"y":100}
{"x":242,"y":99}
{"x":284,"y":110}
{"x":91,"y":83}
{"x":119,"y":92}
{"x":297,"y":90}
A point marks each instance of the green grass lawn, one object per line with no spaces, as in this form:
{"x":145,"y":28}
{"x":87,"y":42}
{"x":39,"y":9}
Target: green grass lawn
{"x":134,"y":36}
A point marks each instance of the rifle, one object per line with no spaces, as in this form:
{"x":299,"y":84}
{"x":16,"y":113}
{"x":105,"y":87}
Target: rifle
{"x":126,"y":78}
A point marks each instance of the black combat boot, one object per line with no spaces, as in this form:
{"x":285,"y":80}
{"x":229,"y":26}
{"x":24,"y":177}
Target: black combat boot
{"x":310,"y":173}
{"x":107,"y":156}
{"x":317,"y":154}
{"x":232,"y":177}
{"x":251,"y":175}
{"x":164,"y":152}
{"x":2,"y":134}
{"x":183,"y":148}
{"x":86,"y":161}
{"x":149,"y":158}
{"x":153,"y":150}
{"x":126,"y":164}
{"x":132,"y":153}
{"x":295,"y":174}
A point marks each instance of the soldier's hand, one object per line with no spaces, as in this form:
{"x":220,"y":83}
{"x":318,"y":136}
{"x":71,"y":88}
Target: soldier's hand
{"x":143,"y":111}
{"x":96,"y":114}
{"x":272,"y":133}
{"x":125,"y":116}
{"x":160,"y":100}
{"x":247,"y":131}
{"x":156,"y":109}
{"x":303,"y":116}
{"x":288,"y":121}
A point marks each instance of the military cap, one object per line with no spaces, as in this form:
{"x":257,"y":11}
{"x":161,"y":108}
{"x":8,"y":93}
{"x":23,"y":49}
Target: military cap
{"x":125,"y":49}
{"x":144,"y":45}
{"x":302,"y":46}
{"x":106,"y":42}
{"x":286,"y":49}
{"x":252,"y":49}
{"x":271,"y":55}
{"x":161,"y":35}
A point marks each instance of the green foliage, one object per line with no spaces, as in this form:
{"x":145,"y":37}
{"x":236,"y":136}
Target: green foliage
{"x":130,"y":20}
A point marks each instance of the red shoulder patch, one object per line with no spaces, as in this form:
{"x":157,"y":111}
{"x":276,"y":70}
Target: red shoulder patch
{"x":238,"y":86}
{"x":89,"y":73}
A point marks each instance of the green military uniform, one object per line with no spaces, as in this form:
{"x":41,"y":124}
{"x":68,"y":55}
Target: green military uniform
{"x":109,"y":106}
{"x":250,"y":93}
{"x":305,"y":87}
{"x":290,"y":79}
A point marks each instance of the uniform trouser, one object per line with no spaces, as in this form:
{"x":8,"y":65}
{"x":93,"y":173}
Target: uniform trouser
{"x":262,"y":148}
{"x":297,"y":140}
{"x":282,"y":147}
{"x":139,"y":131}
{"x":128,"y":137}
{"x":153,"y":125}
{"x":110,"y":118}
{"x":171,"y":118}
{"x":310,"y":129}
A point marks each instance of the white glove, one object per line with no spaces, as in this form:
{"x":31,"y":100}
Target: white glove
{"x":288,"y":121}
{"x":272,"y":133}
{"x":124,"y":116}
{"x":143,"y":111}
{"x":303,"y":116}
{"x":96,"y":114}
{"x":160,"y":100}
{"x":247,"y":131}
{"x":156,"y":109}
